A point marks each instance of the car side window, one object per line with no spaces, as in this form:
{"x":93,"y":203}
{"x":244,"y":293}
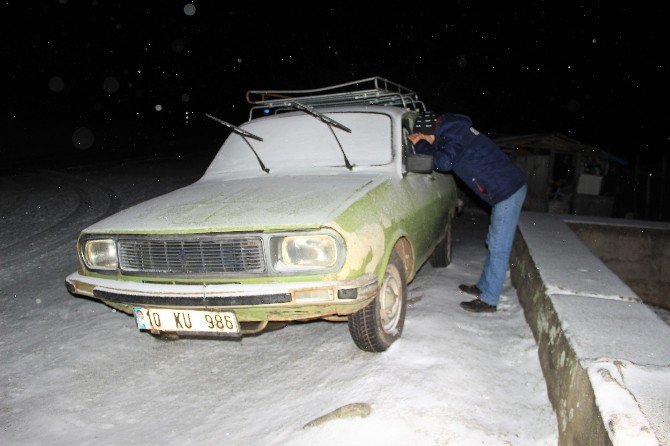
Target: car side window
{"x":407,"y":146}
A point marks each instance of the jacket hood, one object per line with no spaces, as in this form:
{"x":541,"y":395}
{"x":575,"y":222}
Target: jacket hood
{"x":447,"y":121}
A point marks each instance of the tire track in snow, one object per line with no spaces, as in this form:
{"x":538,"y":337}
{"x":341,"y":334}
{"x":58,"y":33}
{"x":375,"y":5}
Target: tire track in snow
{"x":67,"y":228}
{"x":7,"y":208}
{"x":51,"y":226}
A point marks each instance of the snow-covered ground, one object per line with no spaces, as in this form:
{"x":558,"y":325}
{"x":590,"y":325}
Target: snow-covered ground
{"x":74,"y":371}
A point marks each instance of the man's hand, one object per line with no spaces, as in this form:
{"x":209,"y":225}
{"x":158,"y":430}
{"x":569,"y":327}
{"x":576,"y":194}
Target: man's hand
{"x":416,"y":137}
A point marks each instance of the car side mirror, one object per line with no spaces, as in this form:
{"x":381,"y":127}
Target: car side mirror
{"x":419,"y":163}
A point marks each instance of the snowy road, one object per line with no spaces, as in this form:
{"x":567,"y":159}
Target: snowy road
{"x":73,"y":371}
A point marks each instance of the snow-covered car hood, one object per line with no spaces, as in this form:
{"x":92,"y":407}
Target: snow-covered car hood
{"x":269,"y":202}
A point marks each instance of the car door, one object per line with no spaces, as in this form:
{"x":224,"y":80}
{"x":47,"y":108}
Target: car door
{"x":429,"y":198}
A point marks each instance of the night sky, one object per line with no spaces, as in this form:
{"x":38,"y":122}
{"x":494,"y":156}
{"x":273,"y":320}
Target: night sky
{"x":95,"y":78}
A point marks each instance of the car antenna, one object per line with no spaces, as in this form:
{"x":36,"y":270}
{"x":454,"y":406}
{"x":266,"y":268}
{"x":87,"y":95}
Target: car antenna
{"x":244,"y":134}
{"x":329,"y":122}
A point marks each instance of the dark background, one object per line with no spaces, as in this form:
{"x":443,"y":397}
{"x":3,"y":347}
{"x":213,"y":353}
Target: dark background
{"x":95,"y":80}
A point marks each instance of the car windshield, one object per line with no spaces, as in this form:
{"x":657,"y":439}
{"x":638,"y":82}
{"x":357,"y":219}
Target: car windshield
{"x":303,"y":141}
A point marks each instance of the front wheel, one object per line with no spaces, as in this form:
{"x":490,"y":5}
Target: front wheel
{"x":375,"y":327}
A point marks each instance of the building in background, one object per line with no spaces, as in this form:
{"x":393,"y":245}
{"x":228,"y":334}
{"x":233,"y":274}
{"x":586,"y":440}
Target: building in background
{"x":568,"y":176}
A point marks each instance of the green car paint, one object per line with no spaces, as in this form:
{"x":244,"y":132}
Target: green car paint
{"x":421,"y":220}
{"x":385,"y":208}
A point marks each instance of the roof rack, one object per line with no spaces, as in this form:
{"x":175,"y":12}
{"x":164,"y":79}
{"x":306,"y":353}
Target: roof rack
{"x":372,"y":91}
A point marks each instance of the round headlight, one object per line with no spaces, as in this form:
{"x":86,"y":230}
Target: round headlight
{"x":100,"y":254}
{"x":313,"y":251}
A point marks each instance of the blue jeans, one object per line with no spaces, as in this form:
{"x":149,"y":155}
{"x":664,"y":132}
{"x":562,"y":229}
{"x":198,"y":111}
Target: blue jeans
{"x":504,"y":218}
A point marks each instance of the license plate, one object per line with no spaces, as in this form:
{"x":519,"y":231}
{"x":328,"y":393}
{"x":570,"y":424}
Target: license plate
{"x":194,"y":321}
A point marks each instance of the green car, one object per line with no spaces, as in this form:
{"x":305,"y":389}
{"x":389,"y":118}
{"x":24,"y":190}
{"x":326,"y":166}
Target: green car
{"x":316,"y":210}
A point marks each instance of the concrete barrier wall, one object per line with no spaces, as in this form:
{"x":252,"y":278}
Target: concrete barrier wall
{"x":604,"y":354}
{"x":639,"y":256}
{"x":568,"y":384}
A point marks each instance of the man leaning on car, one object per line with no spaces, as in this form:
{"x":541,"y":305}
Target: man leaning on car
{"x":457,"y":146}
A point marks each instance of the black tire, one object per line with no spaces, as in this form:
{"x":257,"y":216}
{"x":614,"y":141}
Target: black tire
{"x":441,"y":257}
{"x":375,"y":327}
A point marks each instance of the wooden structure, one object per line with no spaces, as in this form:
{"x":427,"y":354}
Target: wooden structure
{"x":564,"y":175}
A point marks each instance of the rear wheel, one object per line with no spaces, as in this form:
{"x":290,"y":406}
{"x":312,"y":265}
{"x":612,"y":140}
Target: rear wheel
{"x":375,"y":327}
{"x":441,"y":257}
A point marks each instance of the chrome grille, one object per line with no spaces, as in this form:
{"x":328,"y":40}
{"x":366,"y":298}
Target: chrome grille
{"x":191,"y":255}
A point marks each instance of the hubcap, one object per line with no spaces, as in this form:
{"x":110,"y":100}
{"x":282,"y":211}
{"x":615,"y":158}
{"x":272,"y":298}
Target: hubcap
{"x":390,"y":299}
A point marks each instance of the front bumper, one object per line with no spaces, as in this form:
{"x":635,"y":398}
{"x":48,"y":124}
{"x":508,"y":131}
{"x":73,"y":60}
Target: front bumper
{"x":251,"y":302}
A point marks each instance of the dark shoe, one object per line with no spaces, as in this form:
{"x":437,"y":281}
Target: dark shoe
{"x":470,"y":289}
{"x":477,"y":306}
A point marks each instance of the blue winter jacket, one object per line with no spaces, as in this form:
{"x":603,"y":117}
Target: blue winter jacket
{"x":474,"y":158}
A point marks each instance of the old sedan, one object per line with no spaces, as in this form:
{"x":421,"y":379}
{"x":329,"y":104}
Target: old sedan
{"x":316,"y":213}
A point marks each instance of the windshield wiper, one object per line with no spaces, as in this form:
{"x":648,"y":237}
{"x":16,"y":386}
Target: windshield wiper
{"x":244,"y":134}
{"x":329,"y":122}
